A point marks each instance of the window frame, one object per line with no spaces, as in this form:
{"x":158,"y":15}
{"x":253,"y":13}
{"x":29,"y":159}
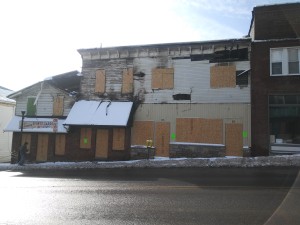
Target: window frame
{"x":284,"y":61}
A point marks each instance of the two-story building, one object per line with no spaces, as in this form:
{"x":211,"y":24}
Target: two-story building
{"x":40,"y":112}
{"x":191,"y":99}
{"x":275,"y":79}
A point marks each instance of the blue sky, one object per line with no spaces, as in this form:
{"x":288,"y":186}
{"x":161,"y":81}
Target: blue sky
{"x":40,"y":38}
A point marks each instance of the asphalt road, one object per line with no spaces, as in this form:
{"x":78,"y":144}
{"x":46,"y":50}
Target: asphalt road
{"x":216,"y":196}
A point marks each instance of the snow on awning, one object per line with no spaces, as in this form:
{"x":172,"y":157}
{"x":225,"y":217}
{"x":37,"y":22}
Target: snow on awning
{"x":37,"y":125}
{"x":99,"y":113}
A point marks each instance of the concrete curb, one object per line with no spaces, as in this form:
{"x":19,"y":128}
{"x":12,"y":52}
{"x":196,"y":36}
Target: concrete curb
{"x":268,"y":161}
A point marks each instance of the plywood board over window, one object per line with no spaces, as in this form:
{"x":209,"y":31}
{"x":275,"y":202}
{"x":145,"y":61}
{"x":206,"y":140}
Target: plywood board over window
{"x":223,"y":76}
{"x":58,"y":106}
{"x":163,"y":78}
{"x":127,"y":85}
{"x":60,"y":144}
{"x":118,"y":138}
{"x":142,"y":131}
{"x":184,"y":129}
{"x":199,"y":130}
{"x":208,"y":130}
{"x":100,"y":81}
{"x":85,"y":138}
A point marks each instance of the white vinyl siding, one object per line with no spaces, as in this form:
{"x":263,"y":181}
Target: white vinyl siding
{"x":284,"y":61}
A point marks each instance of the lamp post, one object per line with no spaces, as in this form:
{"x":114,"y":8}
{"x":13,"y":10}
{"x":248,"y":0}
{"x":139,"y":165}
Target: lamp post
{"x":22,"y":123}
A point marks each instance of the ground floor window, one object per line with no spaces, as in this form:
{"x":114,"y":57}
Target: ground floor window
{"x":284,"y":118}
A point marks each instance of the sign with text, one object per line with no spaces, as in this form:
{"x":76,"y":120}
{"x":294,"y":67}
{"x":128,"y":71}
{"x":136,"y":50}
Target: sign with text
{"x":40,"y":124}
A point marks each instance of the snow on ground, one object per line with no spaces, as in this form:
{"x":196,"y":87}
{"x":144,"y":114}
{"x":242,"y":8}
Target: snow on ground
{"x":164,"y":162}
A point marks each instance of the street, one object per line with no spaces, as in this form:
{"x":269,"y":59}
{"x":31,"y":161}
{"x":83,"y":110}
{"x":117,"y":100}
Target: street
{"x":144,"y":196}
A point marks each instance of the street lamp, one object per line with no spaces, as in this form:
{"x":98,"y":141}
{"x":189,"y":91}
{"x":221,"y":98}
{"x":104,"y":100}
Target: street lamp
{"x":22,"y":123}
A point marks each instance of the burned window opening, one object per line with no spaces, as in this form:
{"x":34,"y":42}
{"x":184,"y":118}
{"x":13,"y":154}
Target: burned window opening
{"x":242,"y":77}
{"x":223,"y":56}
{"x":182,"y":97}
{"x":139,"y":74}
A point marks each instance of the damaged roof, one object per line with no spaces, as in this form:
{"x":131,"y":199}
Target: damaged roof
{"x":68,"y":82}
{"x":169,"y":45}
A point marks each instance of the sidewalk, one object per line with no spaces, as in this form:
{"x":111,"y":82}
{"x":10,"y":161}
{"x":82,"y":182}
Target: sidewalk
{"x":160,"y":162}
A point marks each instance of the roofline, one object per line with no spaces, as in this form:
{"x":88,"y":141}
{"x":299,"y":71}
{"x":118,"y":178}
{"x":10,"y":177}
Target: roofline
{"x":19,"y":92}
{"x":174,"y":44}
{"x":251,"y":23}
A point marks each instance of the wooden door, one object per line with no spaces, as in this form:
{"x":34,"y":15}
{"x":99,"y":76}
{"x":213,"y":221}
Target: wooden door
{"x":60,"y":144}
{"x":162,"y":138}
{"x":42,"y":147}
{"x":102,"y":144}
{"x":234,"y":139}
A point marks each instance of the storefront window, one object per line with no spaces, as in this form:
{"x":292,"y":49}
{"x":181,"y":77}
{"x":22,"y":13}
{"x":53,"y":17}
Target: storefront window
{"x":284,"y":118}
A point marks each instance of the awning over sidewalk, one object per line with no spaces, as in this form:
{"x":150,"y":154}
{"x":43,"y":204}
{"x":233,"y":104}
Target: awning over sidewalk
{"x":37,"y":125}
{"x":99,"y":113}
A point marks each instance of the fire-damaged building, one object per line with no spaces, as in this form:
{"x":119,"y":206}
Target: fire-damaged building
{"x":41,"y":110}
{"x":275,"y":79}
{"x":183,"y":99}
{"x":188,"y":99}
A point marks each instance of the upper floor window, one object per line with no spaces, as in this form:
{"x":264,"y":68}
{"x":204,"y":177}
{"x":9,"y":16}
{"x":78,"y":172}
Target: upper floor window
{"x":31,"y":106}
{"x":285,"y":61}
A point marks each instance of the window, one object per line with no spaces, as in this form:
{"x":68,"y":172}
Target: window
{"x":31,"y":106}
{"x":293,"y":57}
{"x":100,"y":81}
{"x":163,"y":78}
{"x":284,"y":118}
{"x":85,"y":138}
{"x":223,"y":76}
{"x":285,"y":61}
{"x":276,"y":62}
{"x":242,"y":77}
{"x":127,"y":85}
{"x":58,"y":106}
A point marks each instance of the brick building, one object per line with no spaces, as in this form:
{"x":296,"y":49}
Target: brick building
{"x":275,"y":79}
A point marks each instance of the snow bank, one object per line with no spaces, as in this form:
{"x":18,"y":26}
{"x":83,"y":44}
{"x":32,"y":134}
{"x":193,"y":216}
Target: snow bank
{"x":161,"y":162}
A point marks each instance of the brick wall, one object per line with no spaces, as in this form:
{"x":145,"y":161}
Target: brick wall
{"x":262,"y":85}
{"x":190,"y":150}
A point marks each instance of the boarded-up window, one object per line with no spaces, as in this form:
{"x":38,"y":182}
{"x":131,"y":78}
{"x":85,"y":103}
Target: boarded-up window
{"x":58,"y":106}
{"x":118,"y":139}
{"x":142,"y":131}
{"x":85,"y":138}
{"x":184,"y":129}
{"x":163,"y":78}
{"x":26,"y":138}
{"x":127,"y":86}
{"x":60,"y":144}
{"x":223,"y":76}
{"x":100,"y":81}
{"x":199,"y":130}
{"x":31,"y":107}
